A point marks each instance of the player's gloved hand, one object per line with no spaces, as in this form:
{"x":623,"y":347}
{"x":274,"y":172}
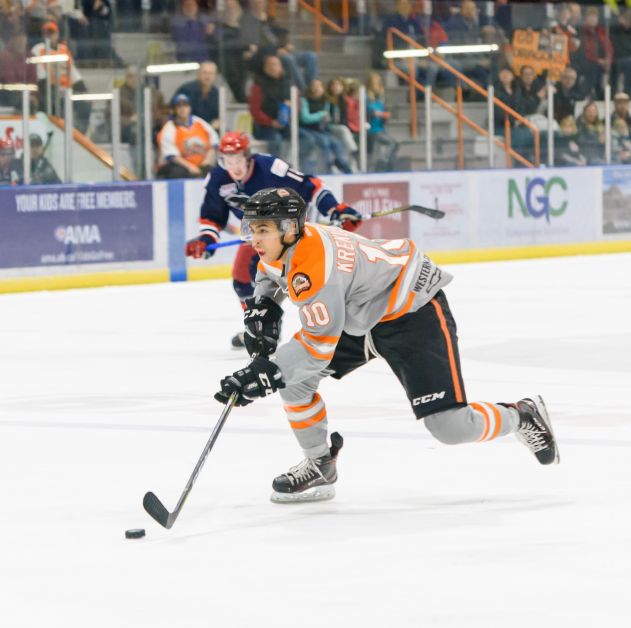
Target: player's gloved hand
{"x":346,"y":217}
{"x":258,"y":379}
{"x":197,"y":248}
{"x":262,"y":318}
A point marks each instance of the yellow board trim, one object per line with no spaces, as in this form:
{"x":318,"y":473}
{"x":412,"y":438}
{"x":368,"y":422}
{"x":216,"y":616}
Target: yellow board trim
{"x":224,"y":271}
{"x":218,"y":271}
{"x":466,"y":256}
{"x":87,"y":280}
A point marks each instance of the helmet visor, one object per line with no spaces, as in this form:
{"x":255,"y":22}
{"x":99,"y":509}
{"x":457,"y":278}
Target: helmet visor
{"x":263,"y":228}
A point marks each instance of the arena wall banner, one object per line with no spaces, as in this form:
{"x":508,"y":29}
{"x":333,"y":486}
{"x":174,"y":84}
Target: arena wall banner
{"x":53,"y":226}
{"x":378,"y":196}
{"x":526,"y":208}
{"x":616,"y":202}
{"x":453,"y":193}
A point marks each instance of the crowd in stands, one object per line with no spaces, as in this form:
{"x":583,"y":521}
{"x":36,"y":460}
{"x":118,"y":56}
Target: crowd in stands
{"x":259,"y":62}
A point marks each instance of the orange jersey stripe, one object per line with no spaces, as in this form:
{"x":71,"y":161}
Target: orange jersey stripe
{"x":487,"y":421}
{"x":450,"y":350}
{"x":316,"y":399}
{"x":312,"y":351}
{"x":404,"y":310}
{"x":397,"y":286}
{"x":498,"y":421}
{"x":301,"y":425}
{"x":321,"y":339}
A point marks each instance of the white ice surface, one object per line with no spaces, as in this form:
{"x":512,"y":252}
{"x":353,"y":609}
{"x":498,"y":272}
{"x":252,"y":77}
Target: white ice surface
{"x":107,"y":393}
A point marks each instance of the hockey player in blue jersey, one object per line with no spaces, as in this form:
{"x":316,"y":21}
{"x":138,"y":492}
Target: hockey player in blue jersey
{"x":237,"y":177}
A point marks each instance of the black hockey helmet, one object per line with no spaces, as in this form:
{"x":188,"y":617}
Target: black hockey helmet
{"x":282,"y":205}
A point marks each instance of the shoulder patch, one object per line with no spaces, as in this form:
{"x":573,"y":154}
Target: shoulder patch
{"x":279,"y":167}
{"x":300,"y":282}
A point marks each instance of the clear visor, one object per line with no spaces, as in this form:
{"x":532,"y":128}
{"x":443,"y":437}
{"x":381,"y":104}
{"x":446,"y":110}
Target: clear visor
{"x":263,"y":229}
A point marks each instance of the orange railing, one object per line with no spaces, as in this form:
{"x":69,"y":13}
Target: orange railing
{"x":410,"y":78}
{"x":320,"y":18}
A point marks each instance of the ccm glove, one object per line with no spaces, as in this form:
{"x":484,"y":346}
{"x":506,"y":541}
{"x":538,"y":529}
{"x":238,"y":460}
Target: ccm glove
{"x":259,"y":379}
{"x":346,"y":217}
{"x":262,"y":318}
{"x":197,"y":248}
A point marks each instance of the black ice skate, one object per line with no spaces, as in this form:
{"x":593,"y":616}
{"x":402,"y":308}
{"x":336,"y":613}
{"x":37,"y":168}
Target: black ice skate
{"x":311,"y":480}
{"x":237,"y":341}
{"x":535,"y":430}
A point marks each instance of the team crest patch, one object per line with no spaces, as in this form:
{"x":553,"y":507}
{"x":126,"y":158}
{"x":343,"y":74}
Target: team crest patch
{"x":282,"y":192}
{"x":300,"y":283}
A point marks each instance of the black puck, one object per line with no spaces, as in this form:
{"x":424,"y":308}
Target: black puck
{"x":136,"y":533}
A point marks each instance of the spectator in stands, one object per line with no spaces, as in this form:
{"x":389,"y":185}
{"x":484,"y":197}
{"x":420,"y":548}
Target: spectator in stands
{"x":621,"y":141}
{"x":493,"y":34}
{"x":621,"y":108}
{"x":597,"y":53}
{"x":378,"y":138}
{"x":531,"y":92}
{"x":60,"y":75}
{"x":424,"y":30}
{"x":269,"y":105}
{"x":191,"y":32}
{"x":128,"y":107}
{"x":11,"y":19}
{"x":338,"y":117}
{"x":567,"y":151}
{"x":227,"y":49}
{"x":567,"y":92}
{"x":351,"y":98}
{"x":42,"y":171}
{"x":99,"y":32}
{"x":203,"y":94}
{"x":11,"y":172}
{"x":464,"y":28}
{"x":187,"y":143}
{"x":620,"y":34}
{"x":14,"y":69}
{"x":564,"y":26}
{"x":262,"y":36}
{"x":506,"y":91}
{"x":314,"y":120}
{"x":591,"y":134}
{"x":37,"y":13}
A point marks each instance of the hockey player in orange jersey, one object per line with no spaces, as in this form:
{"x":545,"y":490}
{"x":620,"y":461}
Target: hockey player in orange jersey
{"x":358,"y":299}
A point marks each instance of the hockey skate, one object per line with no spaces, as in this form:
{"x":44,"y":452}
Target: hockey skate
{"x":311,"y":480}
{"x":237,"y":341}
{"x":535,"y":430}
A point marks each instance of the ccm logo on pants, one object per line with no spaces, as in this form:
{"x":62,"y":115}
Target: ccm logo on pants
{"x":427,"y":398}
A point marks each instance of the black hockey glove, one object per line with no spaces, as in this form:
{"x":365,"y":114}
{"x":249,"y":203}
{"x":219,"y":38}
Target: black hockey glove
{"x":262,"y":318}
{"x":259,"y":379}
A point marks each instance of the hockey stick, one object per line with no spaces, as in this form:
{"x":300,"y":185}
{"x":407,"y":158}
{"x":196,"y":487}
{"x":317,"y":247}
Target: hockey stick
{"x":220,"y":245}
{"x":437,"y":214}
{"x":155,"y":507}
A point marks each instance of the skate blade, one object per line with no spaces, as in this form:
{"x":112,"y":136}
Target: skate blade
{"x":315,"y":494}
{"x":543,"y":411}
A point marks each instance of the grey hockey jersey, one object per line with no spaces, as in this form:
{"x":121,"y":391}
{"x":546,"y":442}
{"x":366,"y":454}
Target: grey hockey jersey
{"x":343,"y":282}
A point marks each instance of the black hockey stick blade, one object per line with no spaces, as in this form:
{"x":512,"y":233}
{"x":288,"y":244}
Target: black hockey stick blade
{"x":437,"y":214}
{"x":155,"y":508}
